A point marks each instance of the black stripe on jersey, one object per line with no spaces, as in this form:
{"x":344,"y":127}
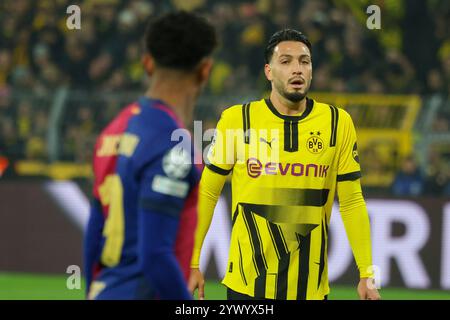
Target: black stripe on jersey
{"x":294,"y":197}
{"x":287,"y":136}
{"x":277,"y":250}
{"x":349,"y":176}
{"x":241,"y":267}
{"x":334,"y":124}
{"x":218,"y":170}
{"x":277,"y":239}
{"x":303,"y":266}
{"x":294,"y":135}
{"x":282,"y":278}
{"x":322,"y":255}
{"x":235,"y":215}
{"x":251,"y":242}
{"x":258,"y":234}
{"x":283,"y":260}
{"x":290,"y":136}
{"x":258,"y":253}
{"x":246,"y":122}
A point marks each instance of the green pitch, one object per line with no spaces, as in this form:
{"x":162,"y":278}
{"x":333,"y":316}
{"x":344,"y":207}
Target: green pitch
{"x":21,"y":286}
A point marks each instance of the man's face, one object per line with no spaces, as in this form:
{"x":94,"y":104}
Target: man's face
{"x":290,"y":70}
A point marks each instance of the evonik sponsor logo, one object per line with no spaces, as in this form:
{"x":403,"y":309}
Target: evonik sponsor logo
{"x":256,"y":168}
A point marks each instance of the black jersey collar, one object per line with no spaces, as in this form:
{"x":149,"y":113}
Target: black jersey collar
{"x":309,"y":107}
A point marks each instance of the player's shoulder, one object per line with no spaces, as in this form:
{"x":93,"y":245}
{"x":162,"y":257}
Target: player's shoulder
{"x":331,"y":109}
{"x":236,"y":110}
{"x":150,"y":140}
{"x":116,"y":127}
{"x":120,"y":121}
{"x":152,"y":131}
{"x":232,"y":111}
{"x":150,"y":121}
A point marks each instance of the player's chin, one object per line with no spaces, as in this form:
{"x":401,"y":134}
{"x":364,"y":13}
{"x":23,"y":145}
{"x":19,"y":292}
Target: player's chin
{"x":294,"y":96}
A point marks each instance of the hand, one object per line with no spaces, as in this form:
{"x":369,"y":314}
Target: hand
{"x":367,"y":289}
{"x":196,"y":281}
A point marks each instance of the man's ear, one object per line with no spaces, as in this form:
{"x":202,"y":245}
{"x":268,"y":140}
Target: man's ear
{"x":268,"y":71}
{"x":204,"y":70}
{"x":149,"y":63}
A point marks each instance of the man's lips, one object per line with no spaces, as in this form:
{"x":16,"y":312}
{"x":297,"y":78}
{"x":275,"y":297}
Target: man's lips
{"x":297,"y":84}
{"x":298,"y":81}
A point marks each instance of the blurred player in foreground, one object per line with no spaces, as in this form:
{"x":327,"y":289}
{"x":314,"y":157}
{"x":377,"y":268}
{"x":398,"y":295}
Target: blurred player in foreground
{"x":139,"y":239}
{"x":288,"y":155}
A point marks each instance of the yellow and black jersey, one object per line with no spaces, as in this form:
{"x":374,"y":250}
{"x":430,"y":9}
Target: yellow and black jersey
{"x":284,"y":175}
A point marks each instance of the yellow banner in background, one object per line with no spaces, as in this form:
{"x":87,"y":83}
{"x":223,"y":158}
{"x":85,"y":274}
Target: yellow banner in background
{"x":376,"y":111}
{"x":384,"y":124}
{"x":56,"y":171}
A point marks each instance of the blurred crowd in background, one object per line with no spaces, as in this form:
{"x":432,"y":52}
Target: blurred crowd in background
{"x":38,"y":55}
{"x":410,"y":55}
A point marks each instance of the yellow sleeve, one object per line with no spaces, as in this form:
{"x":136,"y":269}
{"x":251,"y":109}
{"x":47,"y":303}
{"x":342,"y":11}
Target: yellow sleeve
{"x":351,"y":202}
{"x":357,"y":226}
{"x":220,"y":162}
{"x":210,"y":187}
{"x":348,"y":167}
{"x":222,"y":154}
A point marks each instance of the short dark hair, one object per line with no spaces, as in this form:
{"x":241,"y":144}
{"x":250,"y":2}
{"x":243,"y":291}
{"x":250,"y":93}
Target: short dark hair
{"x":284,"y":35}
{"x":180,"y":40}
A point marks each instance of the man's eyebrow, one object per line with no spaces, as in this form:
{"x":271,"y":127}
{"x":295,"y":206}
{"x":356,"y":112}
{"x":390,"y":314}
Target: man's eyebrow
{"x":285,"y":55}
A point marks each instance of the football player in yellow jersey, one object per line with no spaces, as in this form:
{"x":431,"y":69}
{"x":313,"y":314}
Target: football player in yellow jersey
{"x":288,"y":155}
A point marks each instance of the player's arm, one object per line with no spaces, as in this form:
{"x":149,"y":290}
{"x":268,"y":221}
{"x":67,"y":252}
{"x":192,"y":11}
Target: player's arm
{"x":220,"y":162}
{"x":353,"y":207}
{"x":211,"y":184}
{"x":356,"y":221}
{"x":161,"y":201}
{"x":210,"y":187}
{"x":92,"y":240}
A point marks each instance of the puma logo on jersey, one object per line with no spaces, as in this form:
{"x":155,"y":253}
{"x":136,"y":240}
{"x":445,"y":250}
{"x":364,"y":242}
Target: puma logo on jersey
{"x":268,"y":142}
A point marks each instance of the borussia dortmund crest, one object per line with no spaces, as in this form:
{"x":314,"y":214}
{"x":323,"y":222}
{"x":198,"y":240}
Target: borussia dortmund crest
{"x":315,"y":144}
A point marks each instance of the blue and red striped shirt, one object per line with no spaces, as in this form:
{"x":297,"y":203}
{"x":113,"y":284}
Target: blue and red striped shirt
{"x":140,"y":234}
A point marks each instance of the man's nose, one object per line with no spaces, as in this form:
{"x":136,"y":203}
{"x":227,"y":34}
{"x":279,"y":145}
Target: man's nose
{"x":297,"y":68}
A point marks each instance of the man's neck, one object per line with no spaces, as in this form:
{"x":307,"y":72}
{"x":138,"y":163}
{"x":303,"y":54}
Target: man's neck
{"x":176,"y":92}
{"x":287,"y":107}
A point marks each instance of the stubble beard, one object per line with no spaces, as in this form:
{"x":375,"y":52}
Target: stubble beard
{"x":295,"y":96}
